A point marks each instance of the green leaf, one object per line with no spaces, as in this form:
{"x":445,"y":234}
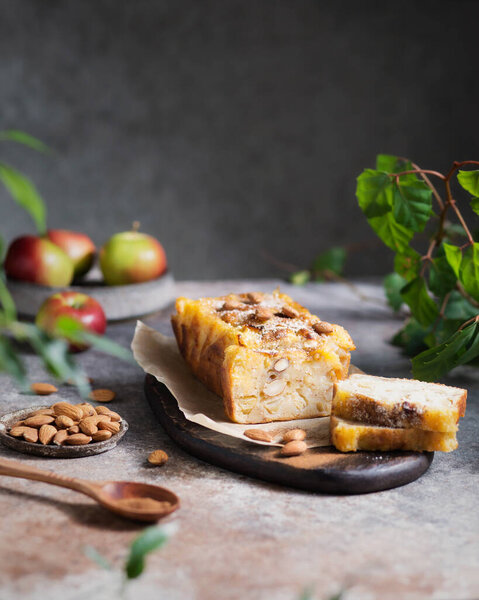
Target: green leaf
{"x":393,"y":284}
{"x":13,"y":135}
{"x":151,"y":539}
{"x":300,"y":277}
{"x":374,"y":193}
{"x":475,"y":205}
{"x":412,"y":204}
{"x":454,"y":257}
{"x":407,"y":264}
{"x":394,"y":235}
{"x":436,"y":362}
{"x":469,"y":180}
{"x":392,"y":164}
{"x":422,"y":306}
{"x":98,"y":558}
{"x":332,"y":260}
{"x":6,"y":300}
{"x":11,"y":363}
{"x":25,"y":194}
{"x":459,"y":308}
{"x":469,"y":271}
{"x":442,"y":278}
{"x":411,"y":337}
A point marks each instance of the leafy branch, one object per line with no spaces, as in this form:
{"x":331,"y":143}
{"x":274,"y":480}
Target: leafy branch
{"x":440,"y":286}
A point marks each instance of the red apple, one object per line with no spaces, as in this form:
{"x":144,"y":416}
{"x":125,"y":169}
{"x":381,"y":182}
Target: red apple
{"x":82,"y":308}
{"x":36,"y":259}
{"x":132,"y":257}
{"x":78,"y":246}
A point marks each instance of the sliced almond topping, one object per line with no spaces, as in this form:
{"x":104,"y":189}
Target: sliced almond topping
{"x":274,"y":388}
{"x":258,"y":434}
{"x":102,"y":395}
{"x":263,"y":314}
{"x":43,"y":389}
{"x":233,"y":305}
{"x":306,"y":333}
{"x":289,"y":311}
{"x":255,"y":297}
{"x":281,"y":365}
{"x":322,"y":327}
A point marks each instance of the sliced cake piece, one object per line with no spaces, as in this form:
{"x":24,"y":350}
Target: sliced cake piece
{"x":267,"y":357}
{"x":404,"y":403}
{"x":349,"y":436}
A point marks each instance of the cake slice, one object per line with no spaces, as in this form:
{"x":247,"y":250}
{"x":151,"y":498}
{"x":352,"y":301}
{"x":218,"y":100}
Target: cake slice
{"x":267,"y":357}
{"x":349,"y":436}
{"x":399,"y":403}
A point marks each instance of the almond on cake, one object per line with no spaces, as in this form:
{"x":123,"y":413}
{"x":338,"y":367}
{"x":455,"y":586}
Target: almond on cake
{"x":267,"y":357}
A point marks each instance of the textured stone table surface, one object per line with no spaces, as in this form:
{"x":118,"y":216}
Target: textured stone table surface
{"x":237,"y":537}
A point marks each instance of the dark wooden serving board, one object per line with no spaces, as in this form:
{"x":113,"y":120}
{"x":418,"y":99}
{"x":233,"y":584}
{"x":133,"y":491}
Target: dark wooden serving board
{"x":318,"y":470}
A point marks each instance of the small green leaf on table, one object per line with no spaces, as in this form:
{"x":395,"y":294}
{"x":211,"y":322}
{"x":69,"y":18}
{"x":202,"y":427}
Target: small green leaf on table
{"x":150,"y":540}
{"x":300,"y":277}
{"x":25,"y":194}
{"x":332,"y":261}
{"x":98,"y":558}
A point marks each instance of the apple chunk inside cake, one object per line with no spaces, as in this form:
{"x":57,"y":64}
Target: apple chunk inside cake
{"x":268,"y":357}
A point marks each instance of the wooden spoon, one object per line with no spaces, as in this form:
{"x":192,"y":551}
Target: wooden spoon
{"x":137,"y":501}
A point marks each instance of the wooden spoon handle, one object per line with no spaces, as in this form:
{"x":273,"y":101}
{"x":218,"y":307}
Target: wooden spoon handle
{"x":13,"y":468}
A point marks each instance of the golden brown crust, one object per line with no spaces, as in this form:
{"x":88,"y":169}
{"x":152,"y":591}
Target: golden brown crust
{"x":348,"y":436}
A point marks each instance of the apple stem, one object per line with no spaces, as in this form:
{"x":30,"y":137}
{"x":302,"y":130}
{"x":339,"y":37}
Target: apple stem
{"x":135,"y":226}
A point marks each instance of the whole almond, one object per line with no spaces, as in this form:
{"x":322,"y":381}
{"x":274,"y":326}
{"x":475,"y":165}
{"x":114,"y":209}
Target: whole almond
{"x":60,"y":437}
{"x":88,"y":425}
{"x":158,"y":457}
{"x":322,"y":327}
{"x":102,"y":410}
{"x":43,"y":411}
{"x":263,"y":314}
{"x":87,"y":409}
{"x":109,"y":426}
{"x":294,"y":448}
{"x":46,"y":434}
{"x":78,"y":439}
{"x":102,"y":395}
{"x":258,"y":434}
{"x":289,"y":311}
{"x":17,"y":431}
{"x":38,"y":420}
{"x":43,"y":389}
{"x":73,"y":430}
{"x":64,"y":422}
{"x":114,"y":416}
{"x":102,"y":418}
{"x":101,"y":435}
{"x":294,"y":435}
{"x":69,"y":410}
{"x":17,"y":424}
{"x":30,"y":435}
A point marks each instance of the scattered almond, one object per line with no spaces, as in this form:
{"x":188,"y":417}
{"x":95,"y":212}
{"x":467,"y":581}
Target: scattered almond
{"x":38,"y":420}
{"x":69,"y":410}
{"x":64,"y":422}
{"x":88,"y":425}
{"x":258,"y":434}
{"x":158,"y":457}
{"x":78,"y":439}
{"x":322,"y":327}
{"x":46,"y":434}
{"x":60,"y":437}
{"x":109,"y":426}
{"x":294,"y":448}
{"x":294,"y":435}
{"x":102,"y":395}
{"x":30,"y":434}
{"x":101,"y":435}
{"x":43,"y":389}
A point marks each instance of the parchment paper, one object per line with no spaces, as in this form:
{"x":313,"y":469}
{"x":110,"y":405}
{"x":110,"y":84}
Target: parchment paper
{"x":158,"y":355}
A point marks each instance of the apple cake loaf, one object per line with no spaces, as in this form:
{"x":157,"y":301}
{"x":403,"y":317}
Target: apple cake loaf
{"x":267,"y":357}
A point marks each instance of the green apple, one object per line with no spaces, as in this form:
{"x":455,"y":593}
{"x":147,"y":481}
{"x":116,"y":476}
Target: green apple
{"x":132,"y":257}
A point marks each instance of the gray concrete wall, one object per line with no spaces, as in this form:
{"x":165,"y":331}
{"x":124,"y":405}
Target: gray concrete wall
{"x":230,"y":128}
